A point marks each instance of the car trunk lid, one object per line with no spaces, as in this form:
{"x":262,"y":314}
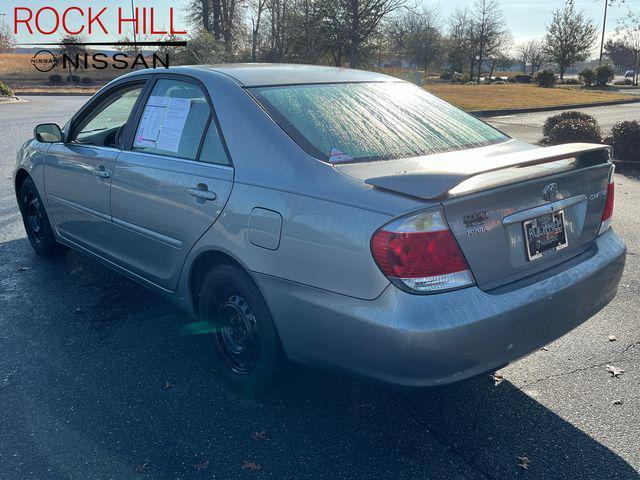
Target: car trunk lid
{"x":492,"y":203}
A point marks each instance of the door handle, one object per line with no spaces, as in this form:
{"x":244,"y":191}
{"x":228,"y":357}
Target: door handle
{"x":201,"y":193}
{"x":101,"y":172}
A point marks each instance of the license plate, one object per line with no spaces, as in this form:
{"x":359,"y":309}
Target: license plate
{"x":545,"y":234}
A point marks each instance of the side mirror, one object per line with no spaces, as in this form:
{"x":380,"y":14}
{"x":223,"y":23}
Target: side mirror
{"x":48,"y":133}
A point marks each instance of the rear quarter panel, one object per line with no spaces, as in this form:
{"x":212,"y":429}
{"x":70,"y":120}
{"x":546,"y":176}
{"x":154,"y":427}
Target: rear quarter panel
{"x":322,"y":244}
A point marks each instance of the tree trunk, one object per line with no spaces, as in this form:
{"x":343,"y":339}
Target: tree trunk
{"x":493,"y":66}
{"x":206,"y":12}
{"x":217,"y":14}
{"x":355,"y":31}
{"x":254,"y":39}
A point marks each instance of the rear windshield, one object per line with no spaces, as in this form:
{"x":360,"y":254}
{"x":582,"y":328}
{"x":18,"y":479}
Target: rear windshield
{"x":356,"y":122}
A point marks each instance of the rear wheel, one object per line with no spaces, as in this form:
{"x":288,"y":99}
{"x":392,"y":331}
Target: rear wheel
{"x":247,"y":349}
{"x":36,"y":222}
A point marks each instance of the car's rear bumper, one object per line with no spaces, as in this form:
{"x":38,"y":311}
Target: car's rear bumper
{"x":419,"y":340}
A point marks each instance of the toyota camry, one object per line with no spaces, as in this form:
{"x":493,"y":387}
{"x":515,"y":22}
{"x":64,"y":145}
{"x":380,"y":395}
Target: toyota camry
{"x":330,"y":217}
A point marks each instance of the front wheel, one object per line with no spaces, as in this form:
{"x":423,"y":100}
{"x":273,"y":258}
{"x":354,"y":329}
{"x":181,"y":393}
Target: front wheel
{"x":247,"y":349}
{"x":36,"y":222}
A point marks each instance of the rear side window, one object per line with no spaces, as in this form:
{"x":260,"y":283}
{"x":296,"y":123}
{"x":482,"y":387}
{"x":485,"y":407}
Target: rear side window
{"x":355,"y":122}
{"x":174,"y":120}
{"x":213,"y":149}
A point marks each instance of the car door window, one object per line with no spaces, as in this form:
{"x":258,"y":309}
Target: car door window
{"x":103,"y":127}
{"x":174,"y":120}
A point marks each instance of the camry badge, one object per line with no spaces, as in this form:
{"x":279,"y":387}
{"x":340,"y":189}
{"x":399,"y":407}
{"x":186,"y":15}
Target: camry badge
{"x":550,"y":192}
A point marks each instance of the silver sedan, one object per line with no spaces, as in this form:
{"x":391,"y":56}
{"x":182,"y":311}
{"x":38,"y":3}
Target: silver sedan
{"x":327,"y":216}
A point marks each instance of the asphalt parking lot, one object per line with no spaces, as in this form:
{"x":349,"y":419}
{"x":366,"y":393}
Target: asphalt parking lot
{"x":101,"y":379}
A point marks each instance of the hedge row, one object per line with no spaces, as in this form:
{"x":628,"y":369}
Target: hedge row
{"x":573,"y":126}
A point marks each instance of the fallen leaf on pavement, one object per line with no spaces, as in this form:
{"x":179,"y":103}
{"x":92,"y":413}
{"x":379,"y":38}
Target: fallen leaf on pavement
{"x":614,"y":371}
{"x":545,"y":349}
{"x":22,"y":269}
{"x":496,"y":378}
{"x":201,"y":466}
{"x":617,"y":402}
{"x":524,"y":462}
{"x":253,"y":466}
{"x":260,"y":435}
{"x":78,"y":310}
{"x":167,"y":385}
{"x":613,"y":338}
{"x":143,"y":467}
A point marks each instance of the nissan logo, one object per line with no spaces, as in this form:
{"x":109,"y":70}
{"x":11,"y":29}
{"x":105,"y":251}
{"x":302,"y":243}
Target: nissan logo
{"x":550,"y":192}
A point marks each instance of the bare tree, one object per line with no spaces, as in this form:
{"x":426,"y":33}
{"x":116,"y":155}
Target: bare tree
{"x":570,"y":37}
{"x":71,"y":47}
{"x":259,"y":7}
{"x":531,"y":53}
{"x":416,"y":37}
{"x":362,"y":20}
{"x":221,"y":18}
{"x":459,"y":39}
{"x":629,"y":33}
{"x":7,"y":40}
{"x":487,"y":33}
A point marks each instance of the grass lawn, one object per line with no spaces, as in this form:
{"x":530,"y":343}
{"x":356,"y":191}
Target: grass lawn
{"x":497,"y":97}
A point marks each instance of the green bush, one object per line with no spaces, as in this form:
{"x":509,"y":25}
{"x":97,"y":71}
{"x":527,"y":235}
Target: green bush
{"x":5,"y":91}
{"x":625,"y":139}
{"x":511,"y":79}
{"x":553,"y":120}
{"x":87,"y":81}
{"x":55,"y":79}
{"x":545,"y":78}
{"x":588,"y":77}
{"x":569,"y":131}
{"x":523,"y":78}
{"x":75,"y":79}
{"x":460,"y":78}
{"x":604,"y":75}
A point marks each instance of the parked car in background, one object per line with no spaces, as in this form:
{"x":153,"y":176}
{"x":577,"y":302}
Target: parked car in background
{"x":330,"y":217}
{"x":629,"y":74}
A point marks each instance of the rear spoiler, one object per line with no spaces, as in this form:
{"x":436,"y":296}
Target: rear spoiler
{"x":450,"y":179}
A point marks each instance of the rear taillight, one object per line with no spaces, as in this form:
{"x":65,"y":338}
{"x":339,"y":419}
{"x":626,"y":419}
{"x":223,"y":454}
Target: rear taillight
{"x":419,"y":253}
{"x":607,"y":213}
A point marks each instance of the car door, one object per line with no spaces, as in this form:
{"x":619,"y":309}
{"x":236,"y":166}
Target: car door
{"x":172,"y":182}
{"x":77,"y":173}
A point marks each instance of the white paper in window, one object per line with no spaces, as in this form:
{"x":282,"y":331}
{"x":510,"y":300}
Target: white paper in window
{"x":174,"y":121}
{"x":162,"y":123}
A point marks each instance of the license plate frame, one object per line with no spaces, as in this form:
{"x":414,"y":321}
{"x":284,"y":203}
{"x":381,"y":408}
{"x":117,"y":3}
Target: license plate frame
{"x":551,"y":234}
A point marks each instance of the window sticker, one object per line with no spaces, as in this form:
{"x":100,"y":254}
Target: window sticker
{"x":337,"y":156}
{"x":162,"y":123}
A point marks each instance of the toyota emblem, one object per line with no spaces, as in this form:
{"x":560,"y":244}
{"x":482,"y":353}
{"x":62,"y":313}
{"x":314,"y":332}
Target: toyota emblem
{"x":550,"y":192}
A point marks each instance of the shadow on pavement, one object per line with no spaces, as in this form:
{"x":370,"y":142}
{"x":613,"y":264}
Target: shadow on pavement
{"x":98,"y":380}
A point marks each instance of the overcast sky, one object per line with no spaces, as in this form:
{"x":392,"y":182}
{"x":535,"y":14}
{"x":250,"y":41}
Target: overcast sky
{"x":525,"y":19}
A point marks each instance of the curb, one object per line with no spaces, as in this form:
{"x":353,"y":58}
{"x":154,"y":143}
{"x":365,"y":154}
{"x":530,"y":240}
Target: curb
{"x":626,"y":165}
{"x":57,"y":94}
{"x":14,"y":99}
{"x":496,"y":113}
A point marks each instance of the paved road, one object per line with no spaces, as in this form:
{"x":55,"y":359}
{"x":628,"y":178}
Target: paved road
{"x":82,"y":397}
{"x":528,"y":126}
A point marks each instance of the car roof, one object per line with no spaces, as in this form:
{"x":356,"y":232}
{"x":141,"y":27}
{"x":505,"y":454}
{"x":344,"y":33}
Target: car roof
{"x":263,"y":74}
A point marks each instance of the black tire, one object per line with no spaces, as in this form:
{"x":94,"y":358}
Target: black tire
{"x":36,"y":221}
{"x":247,"y":349}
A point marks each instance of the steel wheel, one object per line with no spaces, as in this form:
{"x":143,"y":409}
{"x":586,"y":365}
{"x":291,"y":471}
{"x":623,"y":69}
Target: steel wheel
{"x":34,"y":216}
{"x":235,"y":332}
